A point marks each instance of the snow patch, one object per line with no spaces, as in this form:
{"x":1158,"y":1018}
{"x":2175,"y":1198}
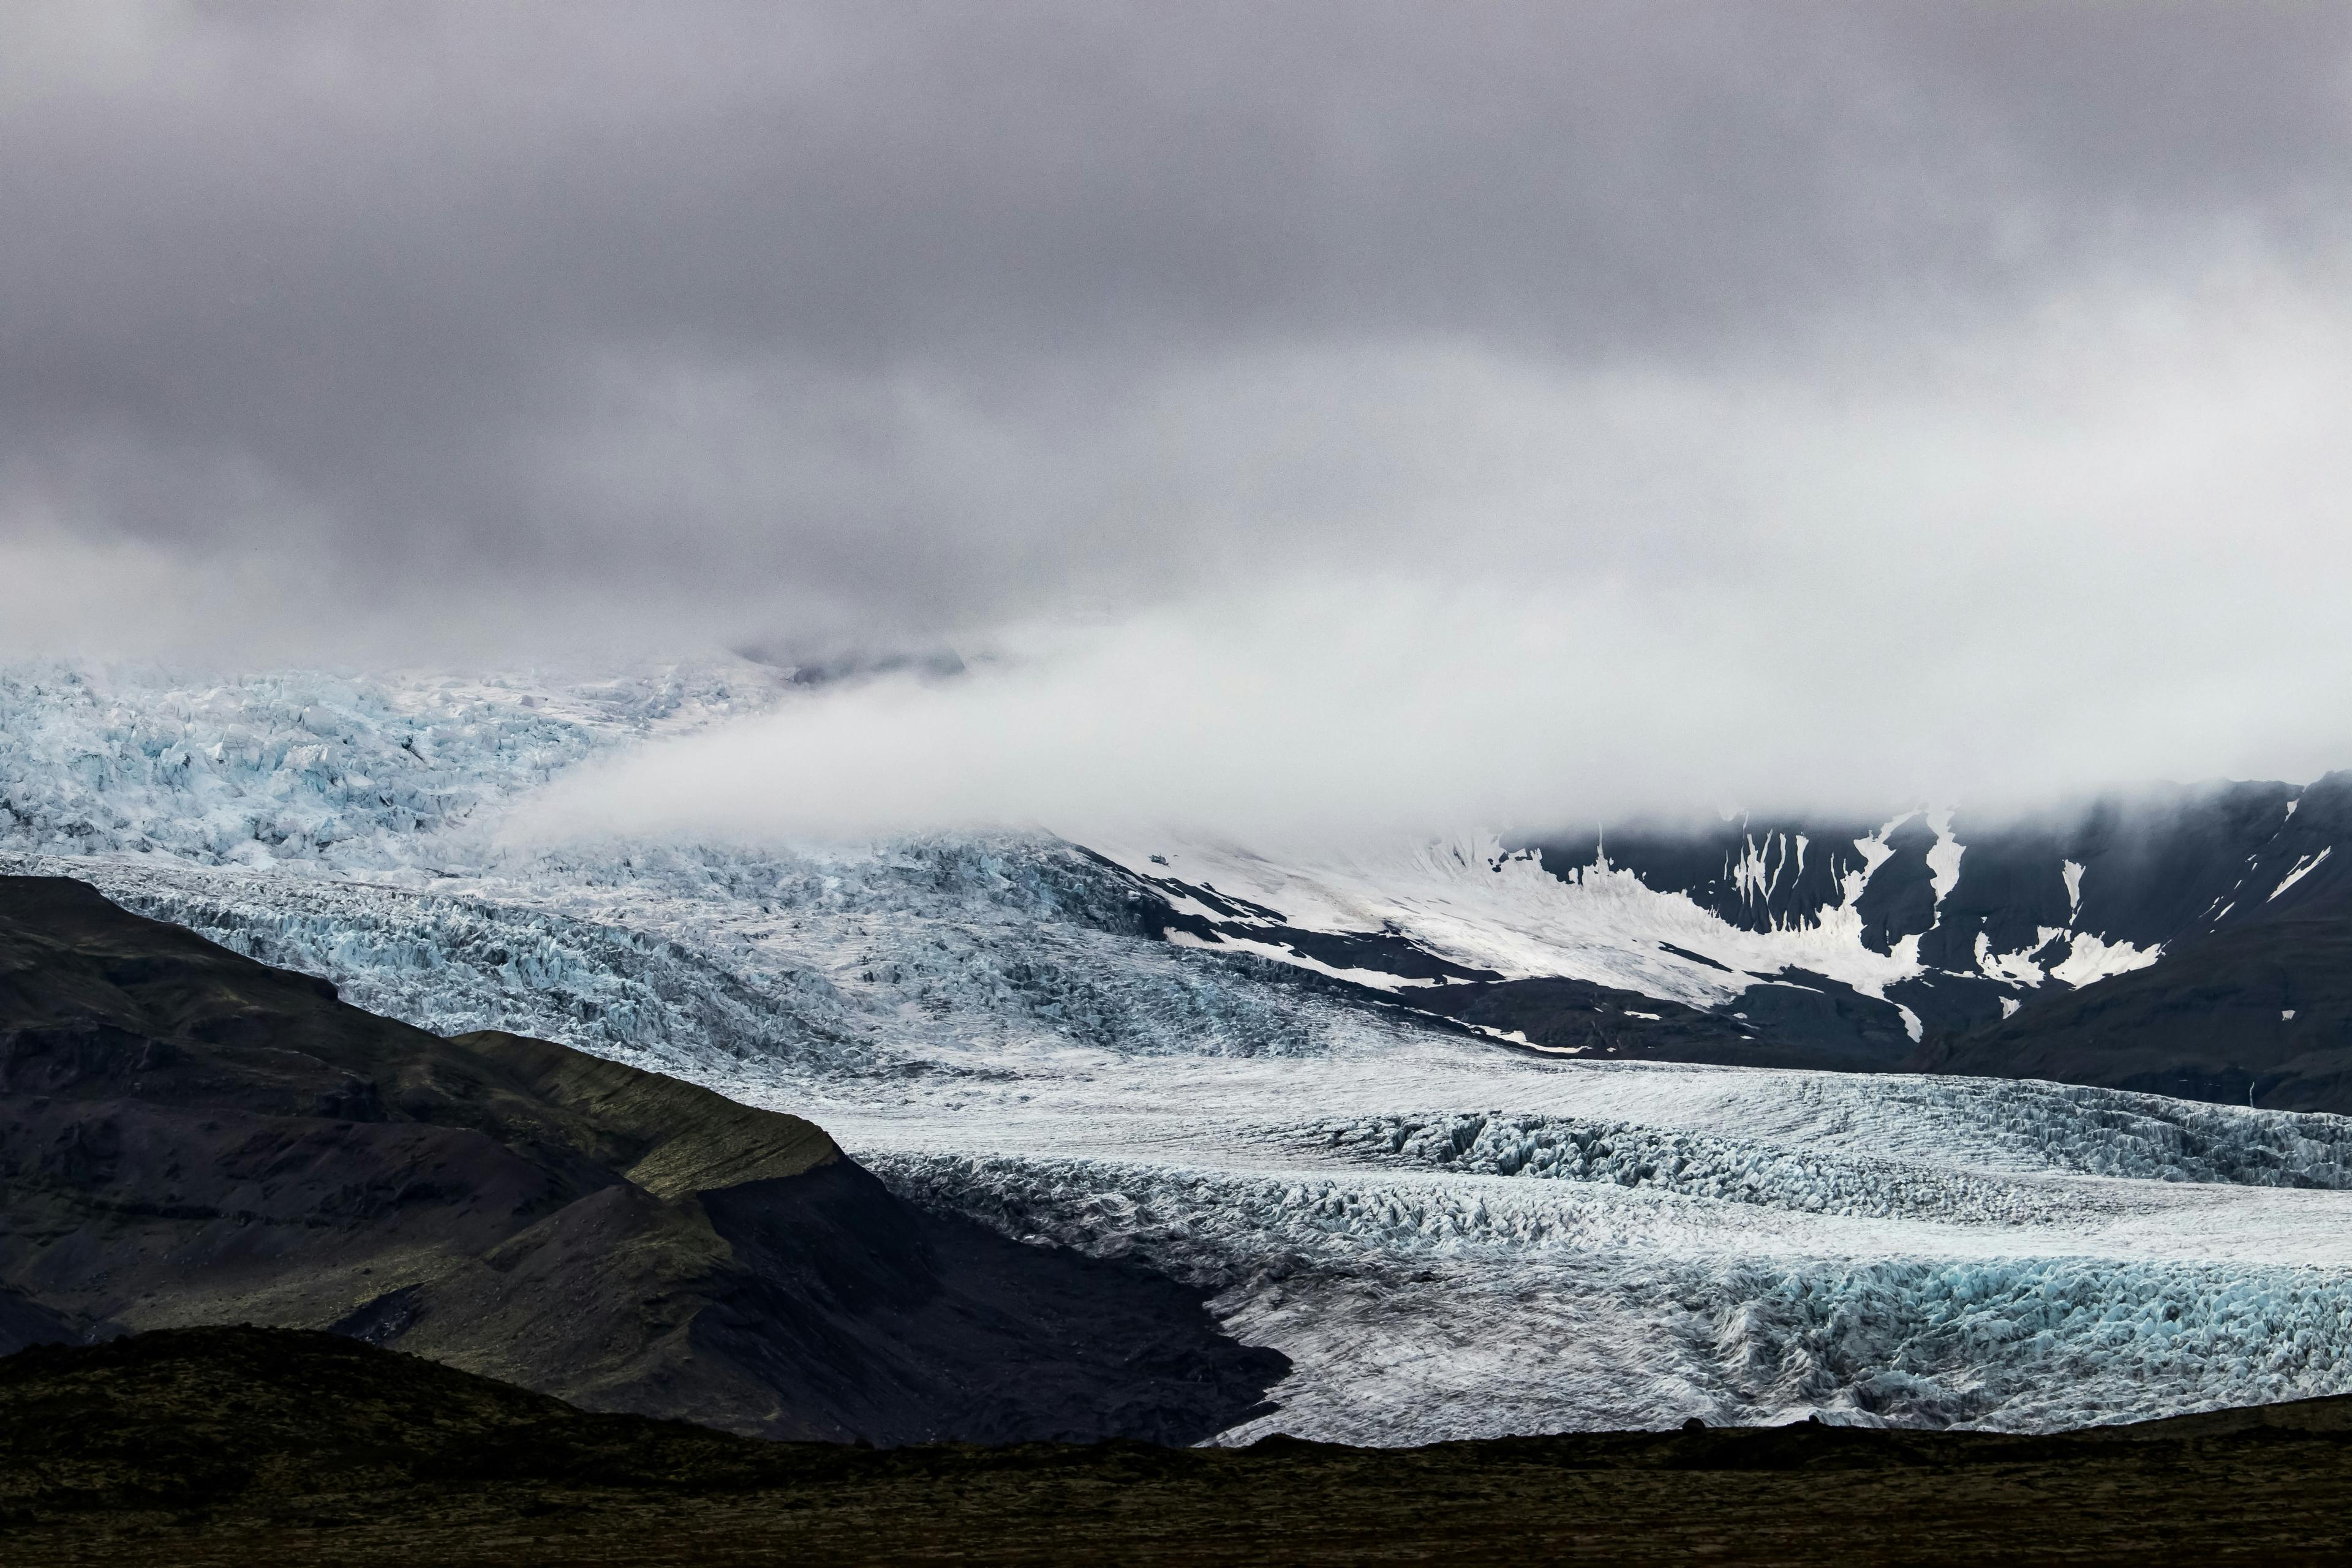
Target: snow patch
{"x":2092,"y":959}
{"x":2304,"y":867}
{"x":1944,"y":856}
{"x":2015,"y":968}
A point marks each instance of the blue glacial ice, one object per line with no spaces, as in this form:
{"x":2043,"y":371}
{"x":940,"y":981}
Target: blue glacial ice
{"x":1449,"y":1238}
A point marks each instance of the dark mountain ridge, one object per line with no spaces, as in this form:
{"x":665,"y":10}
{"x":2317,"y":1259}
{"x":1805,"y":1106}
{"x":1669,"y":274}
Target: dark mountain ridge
{"x":2260,"y":1013}
{"x":2147,"y":867}
{"x":2185,"y":940}
{"x":187,"y":1136}
{"x":2237,"y":889}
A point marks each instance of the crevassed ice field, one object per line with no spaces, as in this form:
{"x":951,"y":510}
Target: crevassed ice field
{"x":1448,"y":1237}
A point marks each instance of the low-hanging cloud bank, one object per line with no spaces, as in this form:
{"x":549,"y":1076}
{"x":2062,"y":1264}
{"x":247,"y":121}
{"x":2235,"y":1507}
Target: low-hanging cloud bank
{"x":353,"y":332}
{"x":1307,"y":415}
{"x":1365,"y":709}
{"x":2081,"y":560}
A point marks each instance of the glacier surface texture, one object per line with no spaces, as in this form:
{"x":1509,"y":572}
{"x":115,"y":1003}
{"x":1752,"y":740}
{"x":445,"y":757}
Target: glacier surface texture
{"x":1450,"y":1235}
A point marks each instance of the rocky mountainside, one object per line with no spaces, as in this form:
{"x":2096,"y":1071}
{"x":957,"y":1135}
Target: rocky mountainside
{"x":187,"y":1136}
{"x":2183,"y":941}
{"x":2257,"y":1013}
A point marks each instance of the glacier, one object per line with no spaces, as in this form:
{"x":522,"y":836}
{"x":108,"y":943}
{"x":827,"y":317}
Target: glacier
{"x":1449,"y":1236}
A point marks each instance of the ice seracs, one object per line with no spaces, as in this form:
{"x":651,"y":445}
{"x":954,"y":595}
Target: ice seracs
{"x":1449,"y":1235}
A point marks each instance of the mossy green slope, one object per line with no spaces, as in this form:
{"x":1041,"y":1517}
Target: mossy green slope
{"x":187,"y":1136}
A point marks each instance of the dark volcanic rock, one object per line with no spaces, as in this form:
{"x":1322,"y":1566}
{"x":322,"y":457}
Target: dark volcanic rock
{"x":2257,"y":1016}
{"x":2160,"y":865}
{"x":24,"y":1322}
{"x":2244,"y":889}
{"x":1597,"y":1020}
{"x":188,"y":1136}
{"x":1794,"y":1019}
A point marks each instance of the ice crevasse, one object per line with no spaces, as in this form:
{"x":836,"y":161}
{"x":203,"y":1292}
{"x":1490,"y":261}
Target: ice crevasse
{"x":1448,"y":1237}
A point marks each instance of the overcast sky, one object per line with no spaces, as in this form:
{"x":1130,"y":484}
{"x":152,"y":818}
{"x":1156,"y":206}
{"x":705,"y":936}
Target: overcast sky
{"x":1960,"y":386}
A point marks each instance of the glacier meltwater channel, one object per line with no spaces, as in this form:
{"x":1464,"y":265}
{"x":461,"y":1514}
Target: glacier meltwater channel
{"x":1448,"y":1237}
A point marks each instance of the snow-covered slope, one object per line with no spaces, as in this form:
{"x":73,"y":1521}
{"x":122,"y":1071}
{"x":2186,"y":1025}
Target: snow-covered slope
{"x":1923,"y":922}
{"x":1490,"y":911}
{"x":1448,"y":1235}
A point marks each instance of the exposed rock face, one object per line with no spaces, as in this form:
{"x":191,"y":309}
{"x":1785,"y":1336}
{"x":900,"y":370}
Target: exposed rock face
{"x":2227,"y":905}
{"x":187,"y":1136}
{"x":2260,"y":1015}
{"x":2190,"y":941}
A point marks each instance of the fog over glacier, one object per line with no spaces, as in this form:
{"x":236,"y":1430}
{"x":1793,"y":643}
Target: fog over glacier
{"x":2038,"y":568}
{"x":795,"y":545}
{"x":1447,"y":1237}
{"x":1650,"y":394}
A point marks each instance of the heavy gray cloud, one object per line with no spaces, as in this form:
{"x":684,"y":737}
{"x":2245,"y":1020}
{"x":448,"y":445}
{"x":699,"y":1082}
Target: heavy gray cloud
{"x":844,"y":313}
{"x":1964,"y":381}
